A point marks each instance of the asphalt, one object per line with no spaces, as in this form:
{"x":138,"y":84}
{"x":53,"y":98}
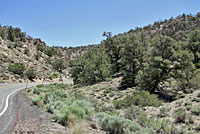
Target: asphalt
{"x":8,"y":114}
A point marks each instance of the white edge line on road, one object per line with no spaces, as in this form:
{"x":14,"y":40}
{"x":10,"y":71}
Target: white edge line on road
{"x":7,"y":98}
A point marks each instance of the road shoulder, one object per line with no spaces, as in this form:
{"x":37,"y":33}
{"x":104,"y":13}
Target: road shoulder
{"x":31,"y":119}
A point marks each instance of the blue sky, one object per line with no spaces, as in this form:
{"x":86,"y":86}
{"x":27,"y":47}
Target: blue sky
{"x":82,"y":22}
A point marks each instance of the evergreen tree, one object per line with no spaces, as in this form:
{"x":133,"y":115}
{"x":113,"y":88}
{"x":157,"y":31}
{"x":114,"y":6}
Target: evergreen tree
{"x":194,"y":46}
{"x":113,"y":47}
{"x":167,"y":60}
{"x":132,"y":54}
{"x":91,"y":68}
{"x":2,"y":32}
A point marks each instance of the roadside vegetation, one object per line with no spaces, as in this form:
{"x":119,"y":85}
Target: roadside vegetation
{"x":70,"y":105}
{"x":145,"y":81}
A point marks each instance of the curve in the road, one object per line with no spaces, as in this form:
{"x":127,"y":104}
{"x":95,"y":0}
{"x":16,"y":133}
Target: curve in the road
{"x":7,"y":99}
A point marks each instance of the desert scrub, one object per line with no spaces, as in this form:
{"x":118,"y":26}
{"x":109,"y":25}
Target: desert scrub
{"x":195,"y":110}
{"x":37,"y":100}
{"x":120,"y":125}
{"x":64,"y":115}
{"x":37,"y":91}
{"x":107,"y":91}
{"x":143,"y":98}
{"x":135,"y":113}
{"x":17,"y":68}
{"x":164,"y":112}
{"x":180,"y":115}
{"x":65,"y":109}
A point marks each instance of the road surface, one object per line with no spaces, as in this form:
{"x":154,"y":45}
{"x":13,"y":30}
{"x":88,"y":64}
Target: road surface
{"x":8,"y":112}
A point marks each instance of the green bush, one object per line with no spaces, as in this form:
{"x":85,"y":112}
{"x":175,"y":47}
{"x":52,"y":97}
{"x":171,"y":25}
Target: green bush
{"x":37,"y":56}
{"x":61,"y":116}
{"x":133,"y":112}
{"x":39,"y":86}
{"x":57,"y":105}
{"x":117,"y":125}
{"x":37,"y":91}
{"x":65,"y":108}
{"x":163,"y":126}
{"x":195,"y":110}
{"x":143,"y":98}
{"x":30,"y":73}
{"x":59,"y":64}
{"x":85,"y":105}
{"x":78,"y":111}
{"x":120,"y":125}
{"x":17,"y":44}
{"x":50,"y":51}
{"x":180,"y":115}
{"x":39,"y":47}
{"x":54,"y":96}
{"x":36,"y":100}
{"x":26,"y":51}
{"x":17,"y":68}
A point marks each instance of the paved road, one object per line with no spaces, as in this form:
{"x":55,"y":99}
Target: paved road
{"x":8,"y":113}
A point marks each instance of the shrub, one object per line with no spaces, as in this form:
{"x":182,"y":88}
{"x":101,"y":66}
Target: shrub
{"x":133,"y":112}
{"x":2,"y":32}
{"x":39,"y":47}
{"x":10,"y":45}
{"x":50,"y":51}
{"x":78,"y":111}
{"x":196,"y":110}
{"x":54,"y":75}
{"x":52,"y":106}
{"x":190,"y":119}
{"x":65,"y":114}
{"x":59,"y":65}
{"x":61,"y":116}
{"x":37,"y":91}
{"x":117,"y":125}
{"x":54,"y":96}
{"x":85,"y":105}
{"x":36,"y":100}
{"x":180,"y":115}
{"x":143,"y":98}
{"x":17,"y":44}
{"x":39,"y":86}
{"x":164,"y":112}
{"x":65,"y":109}
{"x":37,"y":56}
{"x":26,"y":51}
{"x":108,"y":90}
{"x":17,"y":68}
{"x":30,"y":73}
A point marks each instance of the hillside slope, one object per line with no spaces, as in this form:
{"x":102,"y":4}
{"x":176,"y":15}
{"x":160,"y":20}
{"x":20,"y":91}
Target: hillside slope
{"x":16,"y":47}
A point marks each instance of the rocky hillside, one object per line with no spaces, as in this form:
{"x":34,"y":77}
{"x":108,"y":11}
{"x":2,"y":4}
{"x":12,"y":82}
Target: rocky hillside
{"x":35,"y":58}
